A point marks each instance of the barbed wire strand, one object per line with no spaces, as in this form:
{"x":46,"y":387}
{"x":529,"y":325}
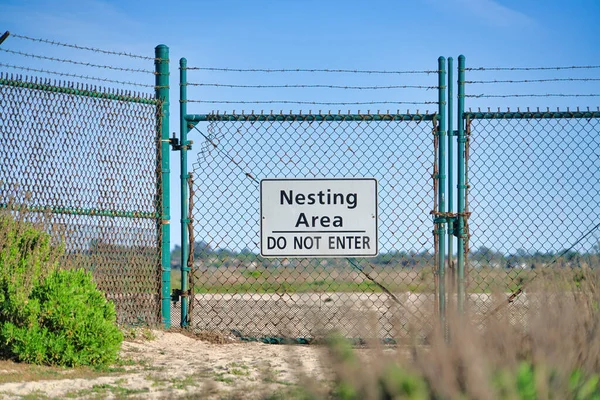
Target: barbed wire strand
{"x":502,"y":96}
{"x":536,"y":80}
{"x":531,"y":68}
{"x":74,"y":46}
{"x":312,"y":86}
{"x":91,"y":78}
{"x":349,"y":71}
{"x":85,"y":64}
{"x":358,"y":103}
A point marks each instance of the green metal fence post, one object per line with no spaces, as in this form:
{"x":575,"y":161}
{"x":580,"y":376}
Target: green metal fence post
{"x":440,"y":220}
{"x":460,"y":257}
{"x":161,"y":66}
{"x":184,"y":190}
{"x":450,"y":194}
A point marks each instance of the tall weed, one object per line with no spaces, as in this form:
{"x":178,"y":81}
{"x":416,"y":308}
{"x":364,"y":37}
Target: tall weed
{"x":548,"y":350}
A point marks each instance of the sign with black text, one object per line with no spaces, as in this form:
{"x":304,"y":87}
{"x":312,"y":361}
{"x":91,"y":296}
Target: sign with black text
{"x":318,"y":217}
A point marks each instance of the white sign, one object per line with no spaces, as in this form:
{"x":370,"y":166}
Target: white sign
{"x":318,"y":217}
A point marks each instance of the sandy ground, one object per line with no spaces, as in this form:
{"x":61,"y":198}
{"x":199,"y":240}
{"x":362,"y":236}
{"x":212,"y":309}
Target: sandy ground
{"x":173,"y":365}
{"x":170,"y":365}
{"x":303,"y":315}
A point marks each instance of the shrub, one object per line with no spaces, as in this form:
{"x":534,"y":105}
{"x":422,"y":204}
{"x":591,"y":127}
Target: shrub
{"x":74,"y":324}
{"x":26,"y":257}
{"x":49,"y":316}
{"x":26,"y":252}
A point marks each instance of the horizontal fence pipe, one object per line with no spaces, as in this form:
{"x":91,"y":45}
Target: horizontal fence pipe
{"x":532,"y":115}
{"x":307,"y":117}
{"x":82,"y":211}
{"x":78,"y":91}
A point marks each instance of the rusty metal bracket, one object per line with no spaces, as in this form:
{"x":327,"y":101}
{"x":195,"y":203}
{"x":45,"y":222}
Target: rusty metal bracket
{"x":177,"y":294}
{"x":177,"y":146}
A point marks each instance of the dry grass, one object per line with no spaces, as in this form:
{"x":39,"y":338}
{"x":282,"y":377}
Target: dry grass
{"x":552,"y":351}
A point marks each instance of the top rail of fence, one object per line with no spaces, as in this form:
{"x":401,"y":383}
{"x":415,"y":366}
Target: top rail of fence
{"x":531,"y":114}
{"x":308,"y":117}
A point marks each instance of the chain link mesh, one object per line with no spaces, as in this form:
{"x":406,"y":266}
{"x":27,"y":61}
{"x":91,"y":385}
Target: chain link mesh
{"x":236,"y":290}
{"x":535,"y":202}
{"x":87,"y":161}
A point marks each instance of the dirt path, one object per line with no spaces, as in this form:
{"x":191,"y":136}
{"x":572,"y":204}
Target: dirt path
{"x":173,"y":365}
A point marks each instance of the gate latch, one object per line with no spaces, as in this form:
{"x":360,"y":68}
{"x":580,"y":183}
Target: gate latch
{"x":452,"y":226}
{"x":174,"y":142}
{"x":176,"y":294}
{"x":176,"y":145}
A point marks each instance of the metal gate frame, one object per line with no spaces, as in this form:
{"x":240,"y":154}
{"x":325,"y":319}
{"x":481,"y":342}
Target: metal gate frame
{"x":441,"y":217}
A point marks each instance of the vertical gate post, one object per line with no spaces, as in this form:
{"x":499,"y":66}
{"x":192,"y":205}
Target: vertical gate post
{"x":441,"y":181}
{"x":161,"y":67}
{"x":450,"y":194}
{"x":461,"y":185}
{"x":184,"y":190}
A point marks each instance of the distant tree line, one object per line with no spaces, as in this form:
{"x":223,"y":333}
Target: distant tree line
{"x":481,"y":257}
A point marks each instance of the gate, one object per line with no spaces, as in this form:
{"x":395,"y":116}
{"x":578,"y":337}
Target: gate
{"x":532,"y":184}
{"x":514,"y":196}
{"x":228,"y":286}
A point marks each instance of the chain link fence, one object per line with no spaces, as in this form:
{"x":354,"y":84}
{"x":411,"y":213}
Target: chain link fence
{"x":535,"y":201}
{"x":86,"y":161}
{"x":238,"y":291}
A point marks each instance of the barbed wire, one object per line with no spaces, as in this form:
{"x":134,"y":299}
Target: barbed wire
{"x":536,"y":80}
{"x":530,"y":95}
{"x":316,"y":103}
{"x":86,"y":64}
{"x":313,"y":86}
{"x":74,"y":46}
{"x":531,"y":68}
{"x":350,"y":71}
{"x":91,"y":78}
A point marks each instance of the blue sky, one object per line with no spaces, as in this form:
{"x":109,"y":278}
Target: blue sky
{"x":375,"y":35}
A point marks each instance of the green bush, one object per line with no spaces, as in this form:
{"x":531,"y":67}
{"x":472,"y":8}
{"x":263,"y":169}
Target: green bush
{"x":47,"y":315}
{"x":26,"y":257}
{"x":73,"y":324}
